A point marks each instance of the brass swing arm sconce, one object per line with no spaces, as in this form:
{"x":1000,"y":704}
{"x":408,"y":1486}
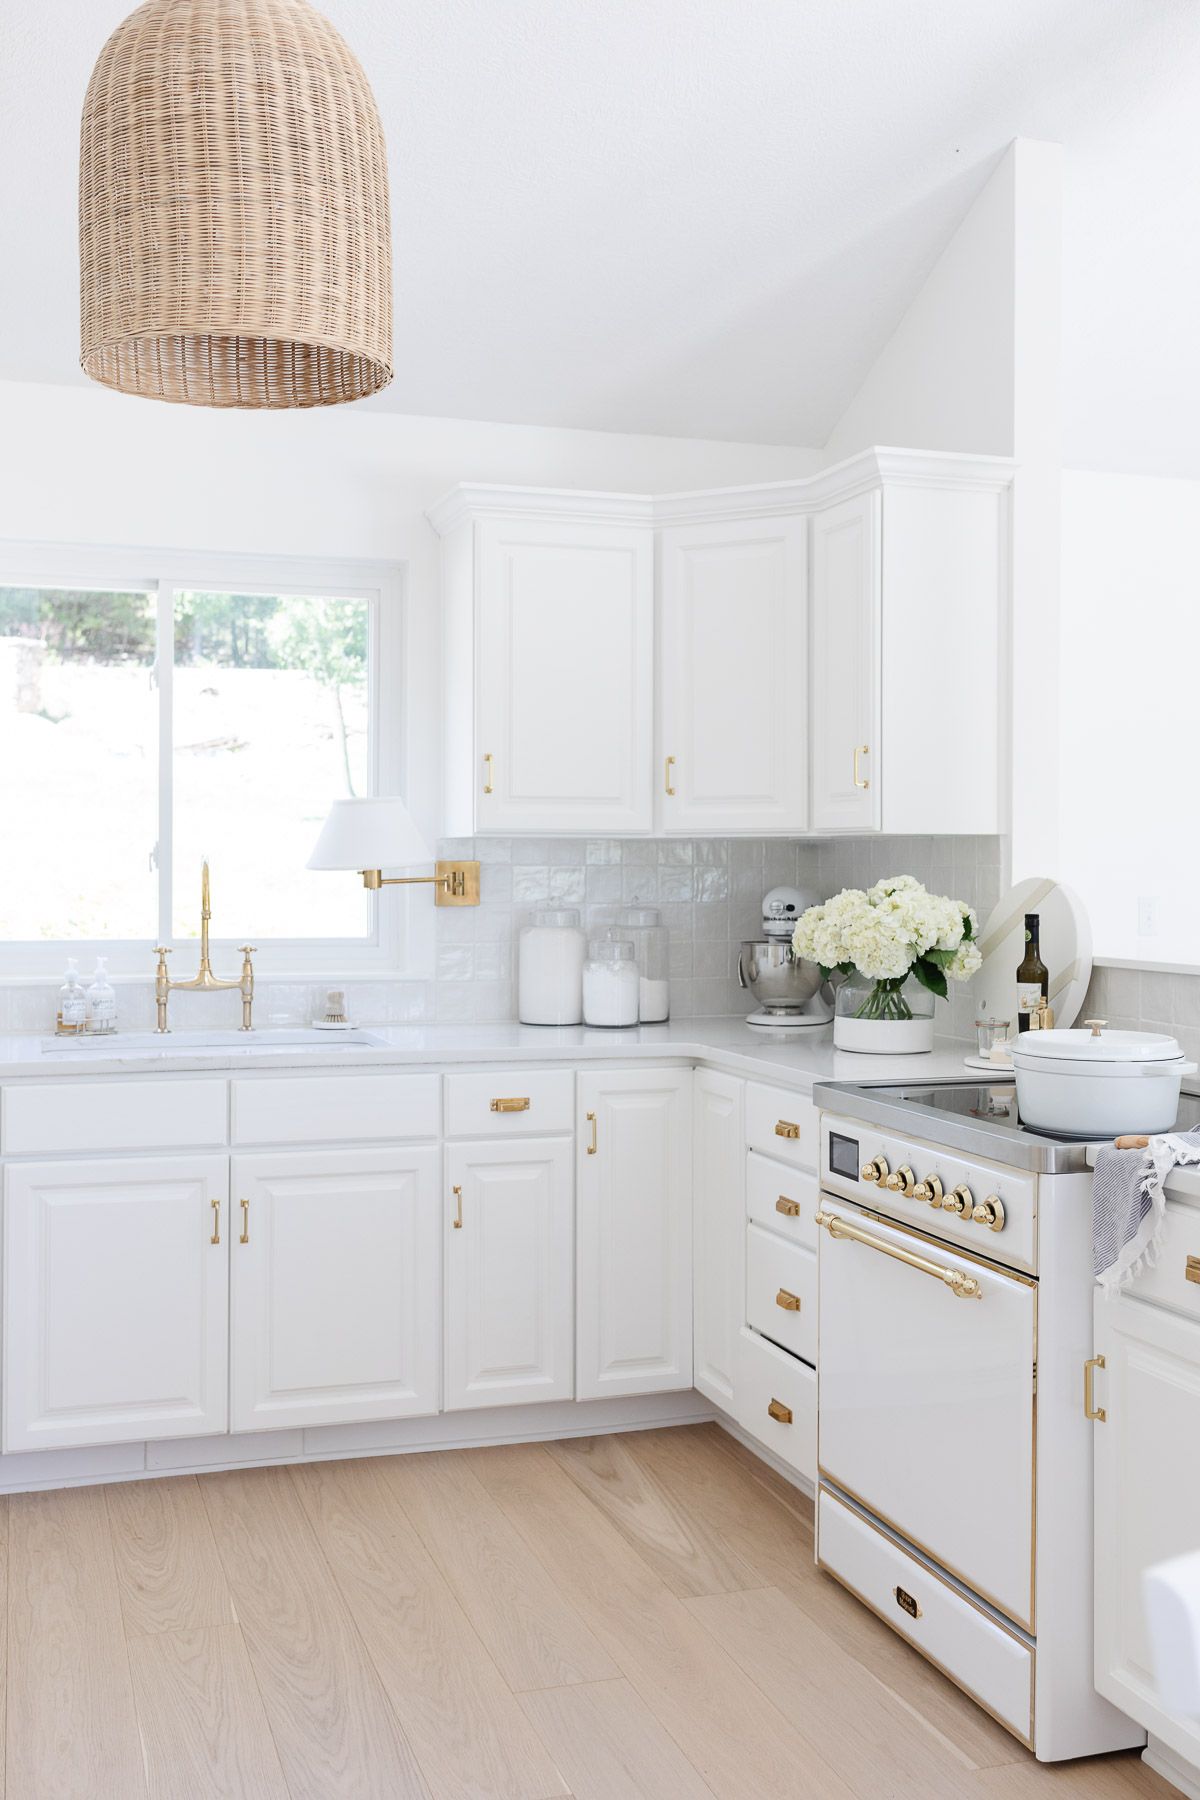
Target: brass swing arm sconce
{"x":457,"y":883}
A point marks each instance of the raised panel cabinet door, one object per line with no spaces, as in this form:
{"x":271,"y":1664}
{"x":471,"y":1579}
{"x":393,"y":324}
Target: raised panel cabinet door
{"x":116,"y":1309}
{"x":846,"y":603}
{"x":719,"y":1224}
{"x":509,"y":1296}
{"x":633,"y":1280}
{"x":564,"y":681}
{"x":1147,"y":1467}
{"x":733,"y":676}
{"x":336,"y":1276}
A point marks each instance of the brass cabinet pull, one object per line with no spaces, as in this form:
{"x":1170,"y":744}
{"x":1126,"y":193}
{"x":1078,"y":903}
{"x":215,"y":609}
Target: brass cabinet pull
{"x":789,"y":1302}
{"x":860,"y":750}
{"x":520,"y":1104}
{"x":667,"y":782}
{"x":592,"y":1147}
{"x":1090,"y":1410}
{"x":245,"y":1237}
{"x":489,"y":764}
{"x":778,"y":1411}
{"x":457,"y":1192}
{"x":789,"y":1208}
{"x":1191,"y":1269}
{"x":785,"y":1129}
{"x":964,"y":1287}
{"x":216,"y":1223}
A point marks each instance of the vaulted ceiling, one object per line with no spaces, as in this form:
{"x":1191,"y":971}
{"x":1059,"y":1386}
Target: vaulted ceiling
{"x":704,"y":217}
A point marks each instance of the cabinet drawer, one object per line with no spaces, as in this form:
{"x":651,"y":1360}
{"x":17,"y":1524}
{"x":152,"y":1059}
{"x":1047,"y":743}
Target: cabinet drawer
{"x":782,"y":1124}
{"x":991,"y":1664}
{"x":510,"y":1103}
{"x":777,"y":1402}
{"x":783,"y":1199}
{"x":781,"y":1292}
{"x":1174,"y":1280}
{"x":162,"y":1114}
{"x":333,"y":1109}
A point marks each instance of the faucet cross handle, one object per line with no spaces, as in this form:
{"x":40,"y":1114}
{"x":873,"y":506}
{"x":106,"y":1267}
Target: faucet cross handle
{"x":248,"y":949}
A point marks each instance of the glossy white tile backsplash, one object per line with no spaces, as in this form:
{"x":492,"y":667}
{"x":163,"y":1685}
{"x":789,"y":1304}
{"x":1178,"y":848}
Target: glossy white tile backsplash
{"x":709,"y":891}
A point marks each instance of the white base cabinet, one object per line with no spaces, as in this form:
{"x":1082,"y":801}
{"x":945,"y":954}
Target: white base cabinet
{"x":634,"y":1231}
{"x":336,"y":1282}
{"x":116,"y":1298}
{"x":510,"y":1277}
{"x":719,"y":1221}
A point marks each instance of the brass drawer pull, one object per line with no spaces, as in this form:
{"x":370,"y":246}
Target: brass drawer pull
{"x":789,"y":1208}
{"x":216,"y":1230}
{"x":906,"y":1602}
{"x":457,"y":1192}
{"x":245,"y":1237}
{"x":965,"y":1287}
{"x":785,"y":1129}
{"x":593,"y":1146}
{"x":780,"y":1412}
{"x":489,"y":764}
{"x":1191,"y":1269}
{"x":860,"y":781}
{"x":513,"y":1105}
{"x":668,"y":784}
{"x":1090,"y":1409}
{"x":789,"y":1302}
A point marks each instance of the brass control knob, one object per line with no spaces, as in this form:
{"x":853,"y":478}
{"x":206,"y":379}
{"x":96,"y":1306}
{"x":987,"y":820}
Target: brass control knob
{"x":901,"y":1181}
{"x":990,"y":1212}
{"x":929,"y":1190}
{"x":875,"y":1171}
{"x":960,"y":1201}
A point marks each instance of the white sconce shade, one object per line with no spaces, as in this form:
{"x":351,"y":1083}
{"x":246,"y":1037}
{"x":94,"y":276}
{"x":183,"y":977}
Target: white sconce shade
{"x":369,"y":834}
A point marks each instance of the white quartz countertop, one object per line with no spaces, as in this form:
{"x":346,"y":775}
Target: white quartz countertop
{"x":794,"y":1058}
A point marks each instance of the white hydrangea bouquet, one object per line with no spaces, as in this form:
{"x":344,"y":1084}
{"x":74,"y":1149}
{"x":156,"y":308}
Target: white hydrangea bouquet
{"x":895,"y":929}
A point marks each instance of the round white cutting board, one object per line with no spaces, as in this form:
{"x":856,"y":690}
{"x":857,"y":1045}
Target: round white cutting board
{"x":1066,"y":941}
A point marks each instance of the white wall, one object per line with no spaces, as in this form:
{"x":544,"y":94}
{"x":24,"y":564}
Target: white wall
{"x":1127,"y":713}
{"x":944,"y":379}
{"x":87,"y":466}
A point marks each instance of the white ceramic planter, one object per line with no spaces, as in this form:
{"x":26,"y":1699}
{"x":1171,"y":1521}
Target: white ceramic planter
{"x":1099,"y":1084}
{"x":883,"y":1037}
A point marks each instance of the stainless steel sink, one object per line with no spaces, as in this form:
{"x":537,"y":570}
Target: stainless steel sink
{"x":196,"y":1043}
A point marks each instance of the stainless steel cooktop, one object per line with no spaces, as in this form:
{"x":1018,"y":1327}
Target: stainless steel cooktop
{"x":981,"y":1119}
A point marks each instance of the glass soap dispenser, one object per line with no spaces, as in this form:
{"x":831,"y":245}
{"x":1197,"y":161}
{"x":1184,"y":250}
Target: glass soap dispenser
{"x":72,"y":1003}
{"x":101,"y":1005}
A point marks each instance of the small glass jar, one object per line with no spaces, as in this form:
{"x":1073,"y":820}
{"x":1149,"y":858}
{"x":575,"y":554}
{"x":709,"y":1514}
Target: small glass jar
{"x":610,"y":983}
{"x":651,"y":950}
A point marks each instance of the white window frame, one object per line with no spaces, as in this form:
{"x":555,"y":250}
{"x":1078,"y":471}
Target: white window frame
{"x":400,"y":937}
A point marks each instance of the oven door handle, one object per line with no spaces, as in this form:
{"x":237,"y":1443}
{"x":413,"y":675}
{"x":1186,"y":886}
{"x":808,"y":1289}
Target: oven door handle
{"x":965,"y":1287}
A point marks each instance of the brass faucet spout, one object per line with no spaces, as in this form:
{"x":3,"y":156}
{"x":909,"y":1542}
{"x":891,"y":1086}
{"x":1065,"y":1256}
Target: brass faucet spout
{"x":204,"y":980}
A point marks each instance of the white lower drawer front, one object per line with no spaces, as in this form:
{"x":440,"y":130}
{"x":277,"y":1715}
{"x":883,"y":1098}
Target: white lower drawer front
{"x":991,"y":1664}
{"x":781,"y":1292}
{"x":783,"y":1199}
{"x":777,"y":1402}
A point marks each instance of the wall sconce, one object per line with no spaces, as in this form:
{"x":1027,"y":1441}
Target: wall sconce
{"x":373,"y":835}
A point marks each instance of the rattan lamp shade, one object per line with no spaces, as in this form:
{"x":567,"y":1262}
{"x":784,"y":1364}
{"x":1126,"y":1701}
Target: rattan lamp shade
{"x":234,"y":238}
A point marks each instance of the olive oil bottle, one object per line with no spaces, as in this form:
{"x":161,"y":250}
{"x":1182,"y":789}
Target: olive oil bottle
{"x":1033,"y":977}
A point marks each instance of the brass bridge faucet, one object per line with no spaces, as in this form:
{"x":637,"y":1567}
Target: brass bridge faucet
{"x":204,"y":979}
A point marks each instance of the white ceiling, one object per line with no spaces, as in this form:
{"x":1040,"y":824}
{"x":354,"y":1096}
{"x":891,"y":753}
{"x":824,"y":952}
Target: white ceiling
{"x":704,"y":217}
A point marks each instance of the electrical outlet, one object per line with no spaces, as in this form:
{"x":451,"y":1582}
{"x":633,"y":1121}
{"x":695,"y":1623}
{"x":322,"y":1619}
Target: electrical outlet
{"x":1148,"y":911}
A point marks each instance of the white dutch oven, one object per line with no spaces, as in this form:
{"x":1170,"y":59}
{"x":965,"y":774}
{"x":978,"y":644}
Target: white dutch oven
{"x":1097,"y":1082}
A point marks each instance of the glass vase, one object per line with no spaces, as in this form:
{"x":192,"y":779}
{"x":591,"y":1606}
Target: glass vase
{"x":883,"y":1018}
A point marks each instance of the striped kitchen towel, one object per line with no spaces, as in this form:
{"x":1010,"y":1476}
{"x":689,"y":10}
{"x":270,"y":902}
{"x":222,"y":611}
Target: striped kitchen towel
{"x":1129,"y":1205}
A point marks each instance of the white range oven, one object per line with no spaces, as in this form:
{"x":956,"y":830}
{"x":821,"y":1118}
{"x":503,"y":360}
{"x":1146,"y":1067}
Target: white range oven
{"x":954,"y":1459}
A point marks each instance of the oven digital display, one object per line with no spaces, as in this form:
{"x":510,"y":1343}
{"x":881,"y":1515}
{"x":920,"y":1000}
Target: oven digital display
{"x":843,"y":1156}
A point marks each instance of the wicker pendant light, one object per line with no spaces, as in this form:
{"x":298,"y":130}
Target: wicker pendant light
{"x":235,"y":247}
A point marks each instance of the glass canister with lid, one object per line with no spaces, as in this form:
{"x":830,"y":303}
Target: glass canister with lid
{"x":610,"y":982}
{"x":651,"y":948}
{"x":550,"y":952}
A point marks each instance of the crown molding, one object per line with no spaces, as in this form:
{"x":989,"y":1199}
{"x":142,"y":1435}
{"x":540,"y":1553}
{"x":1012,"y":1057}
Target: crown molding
{"x":883,"y":466}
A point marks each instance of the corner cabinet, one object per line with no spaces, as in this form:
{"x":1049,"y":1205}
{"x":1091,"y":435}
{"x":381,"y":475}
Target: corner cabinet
{"x":827,"y":654}
{"x":719,"y":1222}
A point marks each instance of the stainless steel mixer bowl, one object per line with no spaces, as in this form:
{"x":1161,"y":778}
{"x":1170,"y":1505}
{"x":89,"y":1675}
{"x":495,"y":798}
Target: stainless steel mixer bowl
{"x":780,"y":981}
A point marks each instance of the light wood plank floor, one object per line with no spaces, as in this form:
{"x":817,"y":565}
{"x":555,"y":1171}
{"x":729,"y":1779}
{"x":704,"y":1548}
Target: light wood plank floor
{"x":619,"y":1618}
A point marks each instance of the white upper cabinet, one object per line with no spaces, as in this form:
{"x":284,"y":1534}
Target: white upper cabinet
{"x":846,"y":608}
{"x":829,"y":655}
{"x":556,"y":623}
{"x":733,"y":680}
{"x":634,"y":1228}
{"x":116,"y":1293}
